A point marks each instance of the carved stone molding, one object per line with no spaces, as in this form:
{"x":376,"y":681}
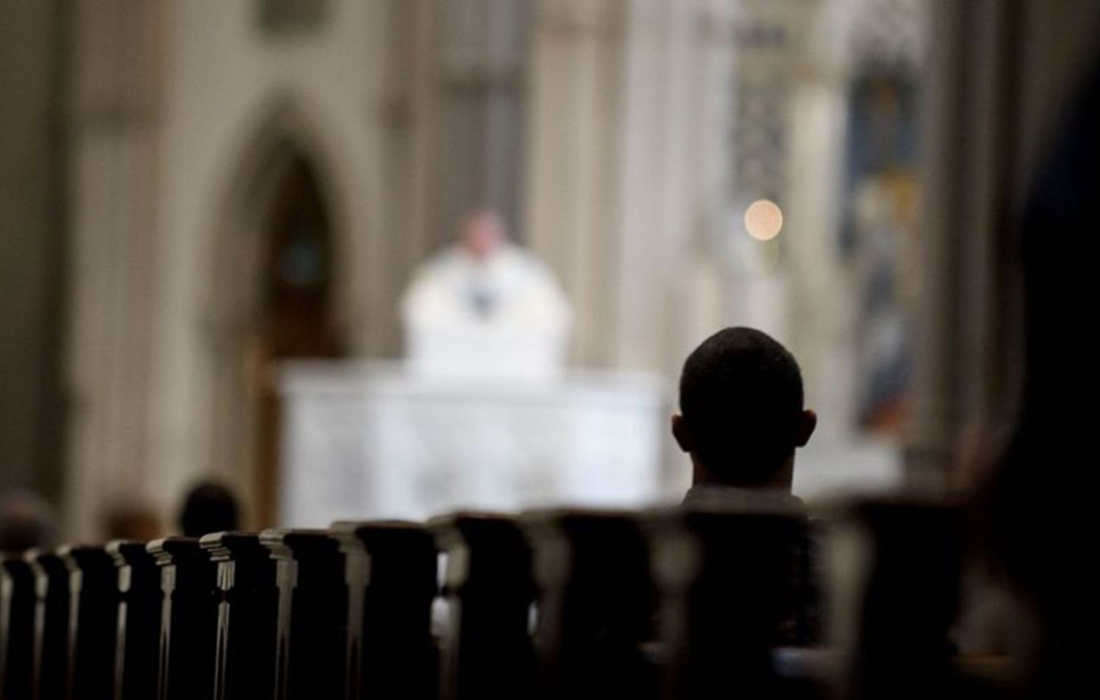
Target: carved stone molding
{"x":887,"y":35}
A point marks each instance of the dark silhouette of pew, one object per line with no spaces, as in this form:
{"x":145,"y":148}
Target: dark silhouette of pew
{"x":689,"y":603}
{"x":391,"y":585}
{"x":312,"y":628}
{"x":247,"y":622}
{"x":93,"y":621}
{"x":596,"y":605}
{"x":188,"y":619}
{"x":17,"y":597}
{"x":488,"y":653}
{"x":896,"y":617}
{"x":53,"y":603}
{"x":733,"y":587}
{"x":138,"y":633}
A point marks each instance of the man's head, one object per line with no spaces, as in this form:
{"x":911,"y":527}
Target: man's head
{"x":25,"y":521}
{"x":482,"y":233}
{"x":209,"y":507}
{"x":742,"y":413}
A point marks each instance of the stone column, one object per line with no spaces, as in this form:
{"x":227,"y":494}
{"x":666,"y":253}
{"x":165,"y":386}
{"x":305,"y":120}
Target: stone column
{"x":618,"y":140}
{"x":114,"y":132}
{"x":999,"y":74}
{"x":574,"y":118}
{"x":822,"y":308}
{"x":702,"y":276}
{"x":630,"y":175}
{"x":409,"y":107}
{"x":34,"y":42}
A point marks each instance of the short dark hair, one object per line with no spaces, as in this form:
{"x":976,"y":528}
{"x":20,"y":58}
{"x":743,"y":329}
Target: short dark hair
{"x":741,"y":398}
{"x":209,"y":507}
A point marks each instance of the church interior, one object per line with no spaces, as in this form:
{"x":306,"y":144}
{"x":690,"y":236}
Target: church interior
{"x":374,"y":321}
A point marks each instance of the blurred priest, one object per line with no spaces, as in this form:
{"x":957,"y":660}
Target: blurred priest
{"x":485,"y":308}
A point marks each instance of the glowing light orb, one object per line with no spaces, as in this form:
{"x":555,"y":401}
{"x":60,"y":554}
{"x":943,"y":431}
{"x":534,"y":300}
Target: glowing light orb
{"x":763,"y":220}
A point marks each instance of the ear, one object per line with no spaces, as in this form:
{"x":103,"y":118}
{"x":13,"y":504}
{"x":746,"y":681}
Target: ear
{"x":807,"y":421}
{"x":680,"y":432}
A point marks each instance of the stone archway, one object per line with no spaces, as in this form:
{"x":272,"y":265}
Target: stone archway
{"x":272,"y":298}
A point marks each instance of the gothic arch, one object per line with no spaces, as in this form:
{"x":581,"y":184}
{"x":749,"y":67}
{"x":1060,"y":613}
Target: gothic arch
{"x":286,"y":146}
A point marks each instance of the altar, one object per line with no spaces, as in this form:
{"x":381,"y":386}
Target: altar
{"x":368,"y":440}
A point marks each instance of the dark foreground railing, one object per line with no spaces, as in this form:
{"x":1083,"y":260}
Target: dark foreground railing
{"x":692,"y":603}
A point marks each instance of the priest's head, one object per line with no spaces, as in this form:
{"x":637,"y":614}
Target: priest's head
{"x":482,"y":233}
{"x":741,"y":411}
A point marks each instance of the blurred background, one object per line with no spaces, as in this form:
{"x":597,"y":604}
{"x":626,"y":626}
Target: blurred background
{"x":196,"y":197}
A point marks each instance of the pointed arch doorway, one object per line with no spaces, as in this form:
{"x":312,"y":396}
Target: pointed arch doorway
{"x":295,"y":319}
{"x":273,"y":301}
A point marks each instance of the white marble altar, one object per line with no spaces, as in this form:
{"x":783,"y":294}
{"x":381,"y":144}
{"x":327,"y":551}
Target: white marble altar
{"x":374,"y":440}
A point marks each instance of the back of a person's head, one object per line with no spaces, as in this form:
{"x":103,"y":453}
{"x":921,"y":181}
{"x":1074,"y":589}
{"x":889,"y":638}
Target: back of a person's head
{"x":741,"y":400}
{"x":209,"y":507}
{"x":26,"y":521}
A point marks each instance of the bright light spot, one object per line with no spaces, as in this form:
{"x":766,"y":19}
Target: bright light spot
{"x":764,"y":220}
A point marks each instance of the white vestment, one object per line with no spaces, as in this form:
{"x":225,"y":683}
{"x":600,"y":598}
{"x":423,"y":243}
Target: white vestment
{"x":504,"y":316}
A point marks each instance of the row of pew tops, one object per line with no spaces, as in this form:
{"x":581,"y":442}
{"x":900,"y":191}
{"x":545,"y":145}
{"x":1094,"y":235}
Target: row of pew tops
{"x":700,"y":602}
